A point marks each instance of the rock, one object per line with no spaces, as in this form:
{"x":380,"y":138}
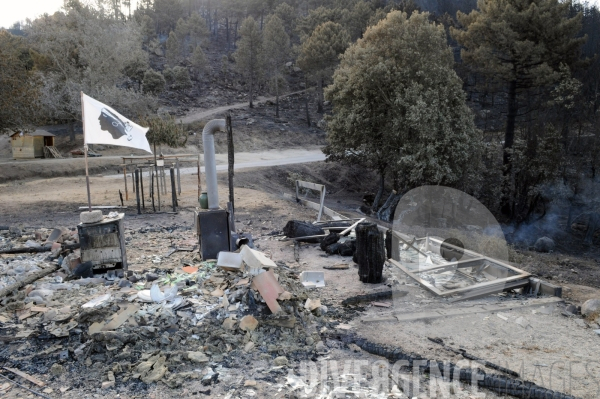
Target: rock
{"x":591,"y":308}
{"x":289,"y":64}
{"x":210,"y":377}
{"x":312,"y":304}
{"x":110,"y":376}
{"x":280,"y":361}
{"x":108,"y":384}
{"x":296,"y":69}
{"x":250,"y":383}
{"x":229,"y":324}
{"x":124,"y":284}
{"x":197,"y":357}
{"x":249,"y":346}
{"x":152,"y":369}
{"x":57,"y":369}
{"x":91,"y":217}
{"x":522,"y":322}
{"x":320,"y":348}
{"x":572,"y":309}
{"x":310,"y":341}
{"x":151,"y":277}
{"x":15,"y":231}
{"x":544,"y":244}
{"x":84,"y":270}
{"x":580,"y":322}
{"x":248,"y":323}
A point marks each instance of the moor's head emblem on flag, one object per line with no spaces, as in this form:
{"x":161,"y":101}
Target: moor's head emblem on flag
{"x":114,"y":125}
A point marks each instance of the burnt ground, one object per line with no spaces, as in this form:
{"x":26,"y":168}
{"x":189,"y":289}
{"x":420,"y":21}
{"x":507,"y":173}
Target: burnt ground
{"x":548,"y":338}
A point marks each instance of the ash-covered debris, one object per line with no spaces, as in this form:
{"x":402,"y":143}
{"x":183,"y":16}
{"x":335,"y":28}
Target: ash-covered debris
{"x":174,"y":320}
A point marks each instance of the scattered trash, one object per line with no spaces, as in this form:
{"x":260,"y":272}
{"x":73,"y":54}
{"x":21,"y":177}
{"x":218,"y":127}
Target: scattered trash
{"x":312,"y":279}
{"x":230,"y":261}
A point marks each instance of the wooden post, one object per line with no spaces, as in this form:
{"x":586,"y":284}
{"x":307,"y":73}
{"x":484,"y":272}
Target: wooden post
{"x":142,"y":186}
{"x":152,"y":189}
{"x":173,"y":191}
{"x":137,"y":190}
{"x":178,"y":176}
{"x":370,"y":253}
{"x":125,"y":178}
{"x":230,"y":158}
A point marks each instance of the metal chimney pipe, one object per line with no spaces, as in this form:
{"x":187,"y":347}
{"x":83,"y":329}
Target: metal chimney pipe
{"x":210,"y":166}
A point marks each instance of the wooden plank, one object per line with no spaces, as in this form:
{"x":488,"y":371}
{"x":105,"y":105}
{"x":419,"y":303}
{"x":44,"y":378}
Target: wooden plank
{"x":349,"y":229}
{"x":312,"y":186}
{"x":29,"y":378}
{"x":313,"y":205}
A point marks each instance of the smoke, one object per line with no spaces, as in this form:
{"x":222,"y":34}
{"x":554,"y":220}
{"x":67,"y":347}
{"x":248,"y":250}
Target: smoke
{"x":566,"y":216}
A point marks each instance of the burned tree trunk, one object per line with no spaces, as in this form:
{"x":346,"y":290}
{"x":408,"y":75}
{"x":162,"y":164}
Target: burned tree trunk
{"x":370,"y":253}
{"x":593,"y":224}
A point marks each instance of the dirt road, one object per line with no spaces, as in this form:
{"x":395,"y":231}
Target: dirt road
{"x":11,"y":170}
{"x":199,"y":115}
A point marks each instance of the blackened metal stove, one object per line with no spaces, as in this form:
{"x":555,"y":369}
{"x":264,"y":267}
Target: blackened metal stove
{"x":103,"y":244}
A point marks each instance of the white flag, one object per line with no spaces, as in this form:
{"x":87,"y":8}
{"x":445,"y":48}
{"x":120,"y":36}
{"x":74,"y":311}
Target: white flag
{"x":104,"y":125}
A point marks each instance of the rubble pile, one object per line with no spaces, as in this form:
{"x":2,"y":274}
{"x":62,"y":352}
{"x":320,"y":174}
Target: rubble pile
{"x":193,"y":320}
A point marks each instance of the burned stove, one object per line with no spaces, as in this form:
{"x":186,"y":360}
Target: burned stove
{"x":103,"y":244}
{"x":212,"y":227}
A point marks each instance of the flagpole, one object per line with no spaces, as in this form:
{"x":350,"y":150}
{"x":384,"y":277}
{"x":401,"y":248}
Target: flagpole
{"x":85,"y":153}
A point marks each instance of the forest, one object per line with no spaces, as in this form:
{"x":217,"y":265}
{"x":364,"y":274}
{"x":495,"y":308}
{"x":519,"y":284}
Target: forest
{"x":498,"y":98}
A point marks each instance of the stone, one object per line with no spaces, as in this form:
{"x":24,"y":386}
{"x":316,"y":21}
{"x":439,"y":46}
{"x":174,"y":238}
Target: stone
{"x":248,"y":323}
{"x":197,"y":357}
{"x":124,"y":284}
{"x":57,"y":369}
{"x":110,"y":375}
{"x":15,"y":231}
{"x":249,"y":346}
{"x":312,"y":304}
{"x":108,"y":384}
{"x":229,"y":324}
{"x":210,"y":377}
{"x":544,"y":244}
{"x":522,"y":322}
{"x":84,"y":270}
{"x":310,"y":341}
{"x":591,"y":308}
{"x":151,"y":276}
{"x":320,"y":347}
{"x":117,"y":368}
{"x":280,"y":361}
{"x":94,"y":216}
{"x":250,"y":383}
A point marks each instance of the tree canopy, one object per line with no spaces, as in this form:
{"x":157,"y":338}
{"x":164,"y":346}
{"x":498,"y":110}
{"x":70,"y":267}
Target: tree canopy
{"x":249,"y":55}
{"x":398,"y":105}
{"x":18,"y":86}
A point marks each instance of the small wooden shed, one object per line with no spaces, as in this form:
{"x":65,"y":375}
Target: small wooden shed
{"x":39,"y":144}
